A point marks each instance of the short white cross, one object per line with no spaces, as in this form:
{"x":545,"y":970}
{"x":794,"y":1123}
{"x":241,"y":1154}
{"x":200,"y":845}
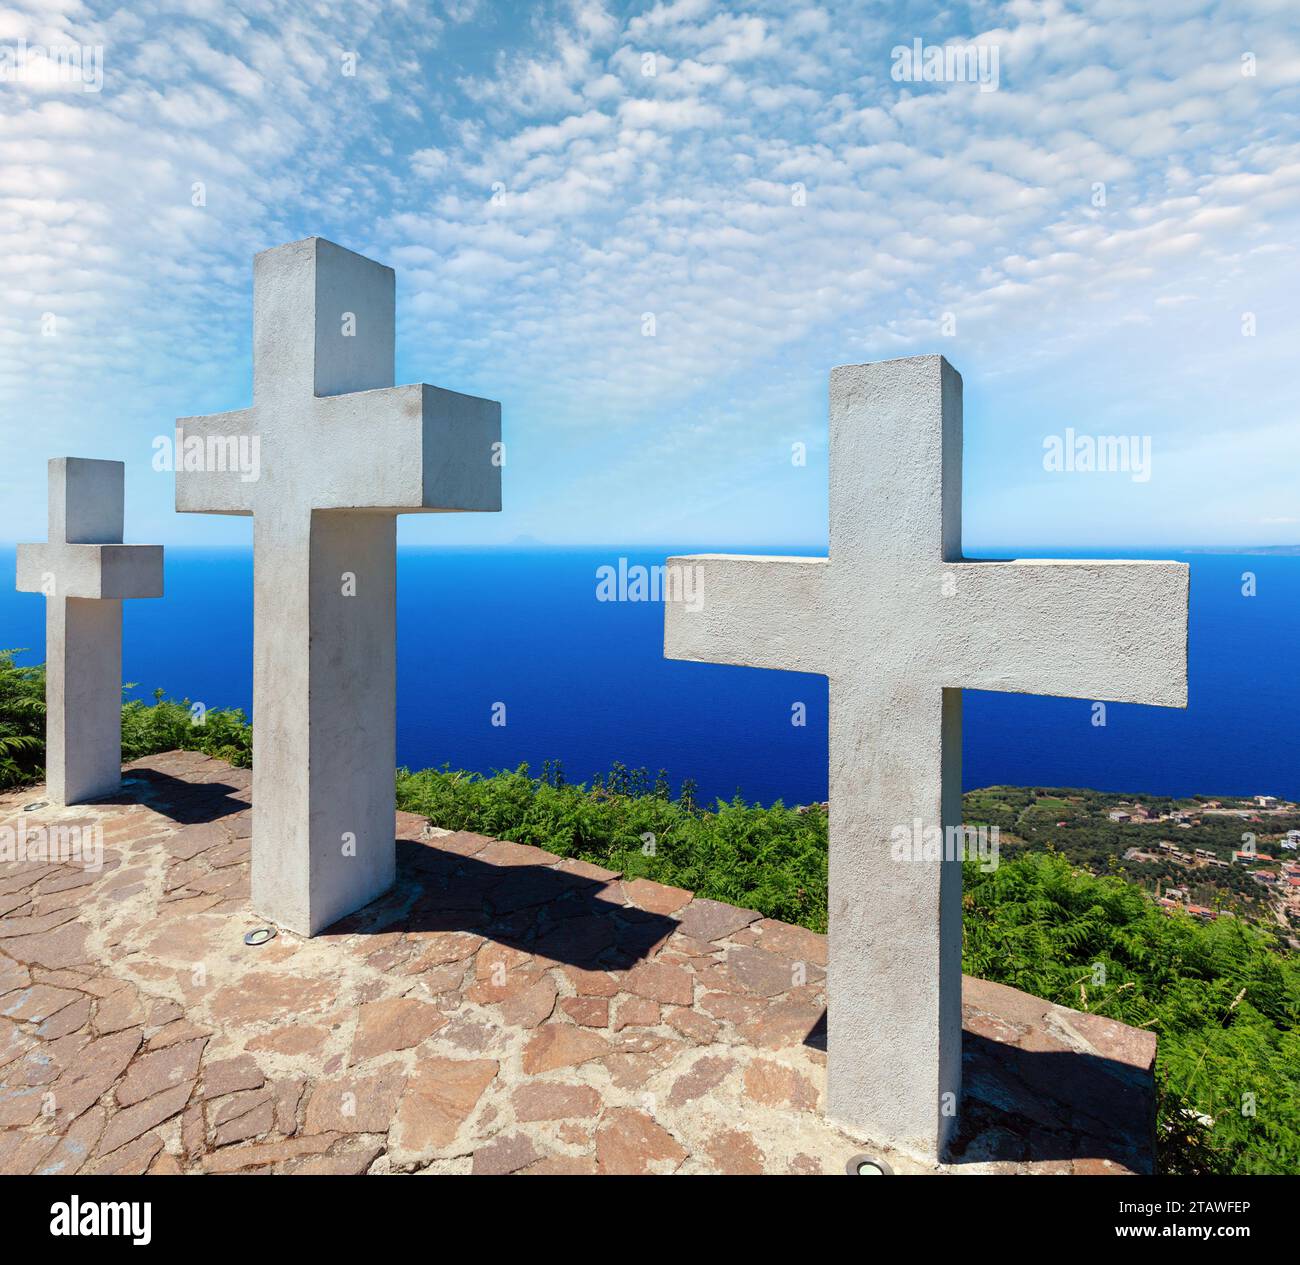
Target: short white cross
{"x":325,"y":459}
{"x":900,"y":624}
{"x":85,"y":572}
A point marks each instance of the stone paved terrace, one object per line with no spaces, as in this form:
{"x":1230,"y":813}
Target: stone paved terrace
{"x":501,"y":1011}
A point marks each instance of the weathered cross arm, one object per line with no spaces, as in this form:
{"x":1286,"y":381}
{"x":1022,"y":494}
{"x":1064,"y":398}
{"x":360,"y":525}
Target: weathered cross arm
{"x":1114,"y":630}
{"x":113,"y":572}
{"x":754,"y":611}
{"x":212,"y":444}
{"x":405,"y":449}
{"x":409,"y":449}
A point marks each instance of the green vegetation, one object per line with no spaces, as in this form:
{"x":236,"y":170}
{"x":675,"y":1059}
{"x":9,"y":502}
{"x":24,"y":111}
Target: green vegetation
{"x":1223,"y":1002}
{"x":1223,"y":997}
{"x":1076,"y":824}
{"x":22,"y":721}
{"x":769,"y":859}
{"x":164,"y":725}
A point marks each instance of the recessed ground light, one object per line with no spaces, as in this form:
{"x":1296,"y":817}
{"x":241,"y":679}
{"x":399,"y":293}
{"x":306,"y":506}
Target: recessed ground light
{"x":259,"y":935}
{"x":867,"y":1166}
{"x":40,"y":803}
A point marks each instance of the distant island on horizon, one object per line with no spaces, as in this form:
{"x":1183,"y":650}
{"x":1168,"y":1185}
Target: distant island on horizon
{"x":1276,"y":551}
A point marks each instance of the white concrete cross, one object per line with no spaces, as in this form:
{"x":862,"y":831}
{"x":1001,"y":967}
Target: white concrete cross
{"x":85,"y":572}
{"x":900,"y":624}
{"x":340,"y":453}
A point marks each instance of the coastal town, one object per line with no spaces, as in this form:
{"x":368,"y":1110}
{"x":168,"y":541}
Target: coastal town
{"x":1206,"y":857}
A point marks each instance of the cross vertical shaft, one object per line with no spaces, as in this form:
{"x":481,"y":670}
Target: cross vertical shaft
{"x":83,"y":699}
{"x":894,"y":931}
{"x":324,"y":659}
{"x":324,"y":684}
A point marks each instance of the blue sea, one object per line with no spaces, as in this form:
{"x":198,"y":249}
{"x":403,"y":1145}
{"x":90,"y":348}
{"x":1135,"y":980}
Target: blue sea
{"x":585,"y":682}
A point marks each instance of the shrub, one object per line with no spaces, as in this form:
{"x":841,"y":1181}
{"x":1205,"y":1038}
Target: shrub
{"x":163,"y":725}
{"x":22,"y":721}
{"x":769,"y":859}
{"x":1224,"y":1003}
{"x":167,"y":725}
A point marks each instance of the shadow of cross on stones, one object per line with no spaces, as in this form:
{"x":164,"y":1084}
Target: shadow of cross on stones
{"x":514,"y":895}
{"x":1036,"y":1106}
{"x":187,"y":802}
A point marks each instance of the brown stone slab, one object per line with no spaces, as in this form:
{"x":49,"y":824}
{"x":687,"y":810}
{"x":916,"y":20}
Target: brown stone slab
{"x":439,"y":1098}
{"x":712,"y":920}
{"x":656,"y":898}
{"x":397,"y":1023}
{"x":125,"y":1126}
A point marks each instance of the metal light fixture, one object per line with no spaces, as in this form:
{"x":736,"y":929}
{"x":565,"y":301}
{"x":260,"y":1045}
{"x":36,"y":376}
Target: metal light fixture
{"x":868,"y":1166}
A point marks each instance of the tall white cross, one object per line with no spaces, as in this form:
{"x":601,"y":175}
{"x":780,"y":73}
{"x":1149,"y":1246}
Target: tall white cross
{"x":325,"y":459}
{"x":900,"y":624}
{"x":85,"y":572}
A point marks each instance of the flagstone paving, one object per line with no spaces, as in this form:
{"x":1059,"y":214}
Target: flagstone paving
{"x":502,"y":1010}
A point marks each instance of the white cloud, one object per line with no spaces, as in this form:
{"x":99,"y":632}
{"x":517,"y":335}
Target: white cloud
{"x":428,"y":163}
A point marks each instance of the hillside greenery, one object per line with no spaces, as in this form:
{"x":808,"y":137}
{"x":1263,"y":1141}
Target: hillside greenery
{"x":1075,"y":823}
{"x":163,"y":725}
{"x":769,"y":859}
{"x":1223,"y":1001}
{"x":22,"y":721}
{"x":1222,"y":997}
{"x":166,"y":725}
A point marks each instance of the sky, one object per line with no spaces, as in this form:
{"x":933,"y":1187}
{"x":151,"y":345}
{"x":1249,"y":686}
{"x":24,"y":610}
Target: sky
{"x":650,"y":230}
